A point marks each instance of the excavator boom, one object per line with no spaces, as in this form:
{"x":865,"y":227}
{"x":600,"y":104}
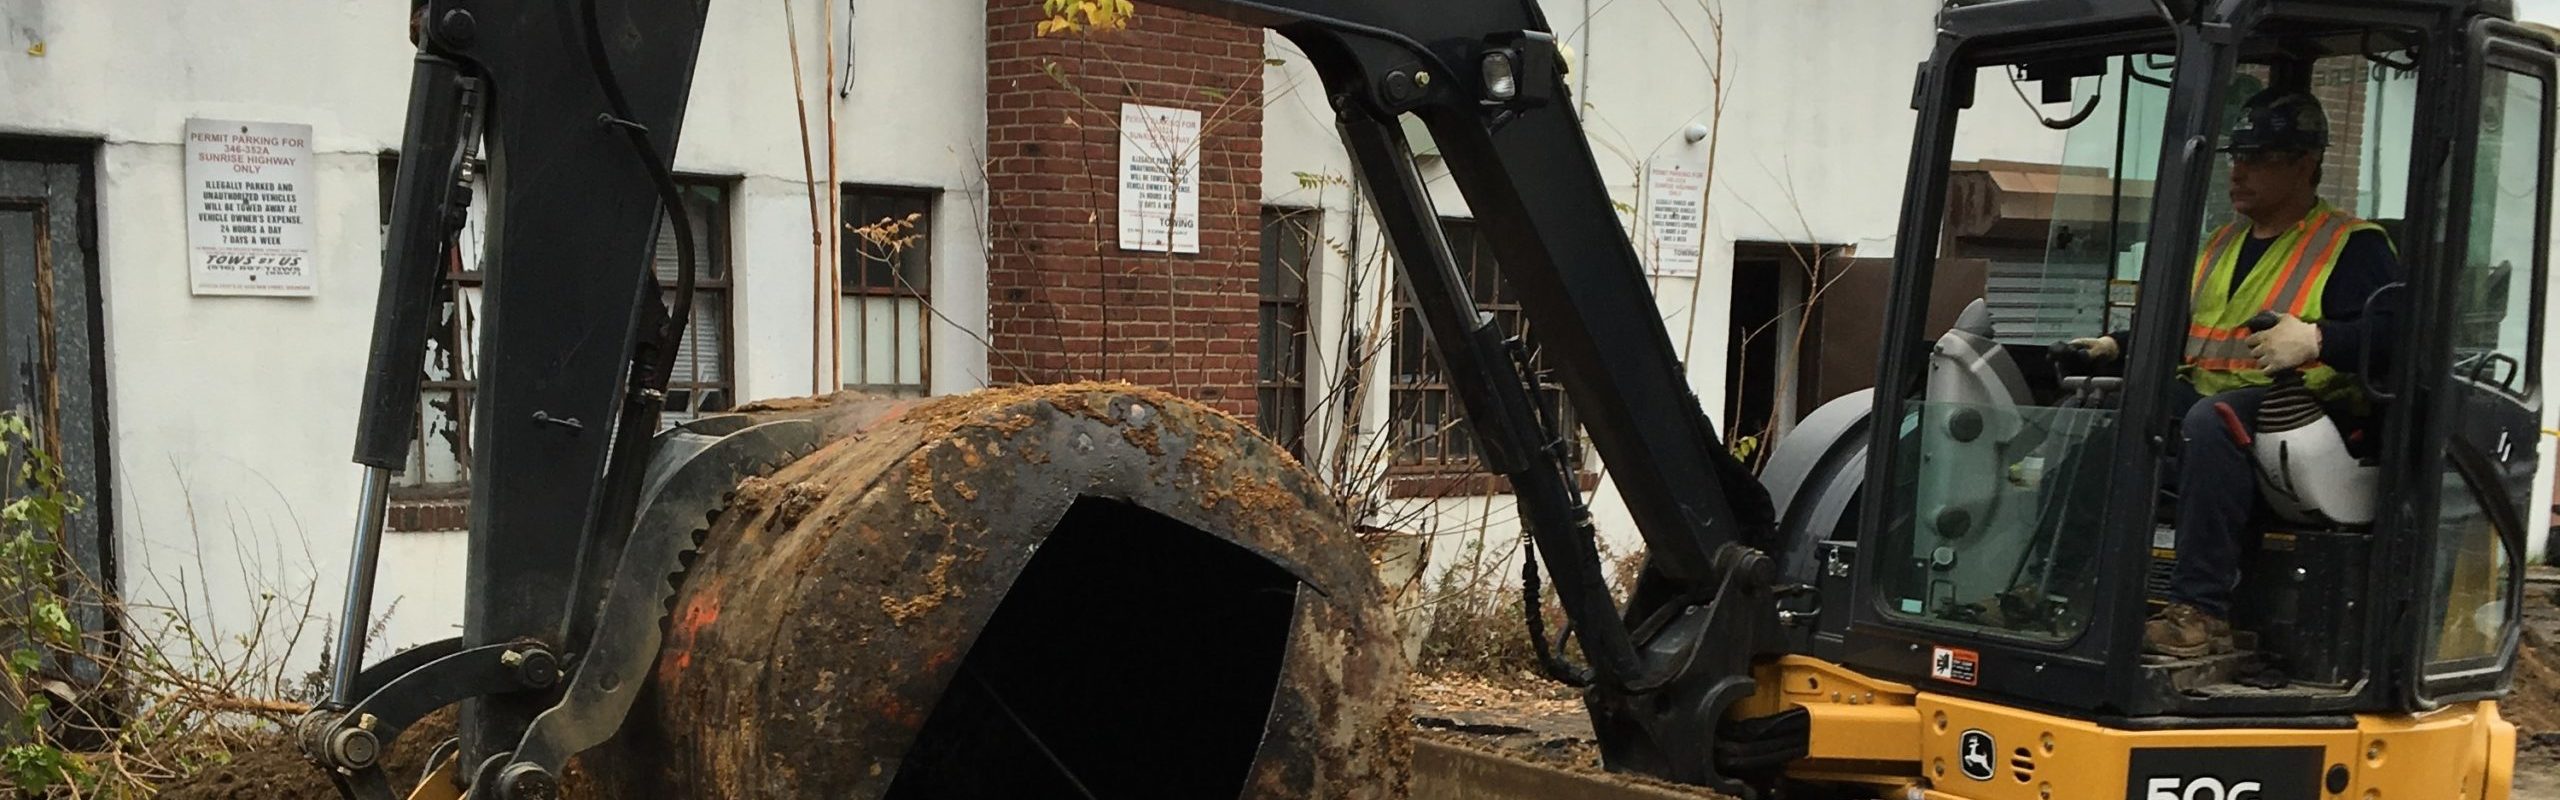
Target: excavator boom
{"x":580,"y":106}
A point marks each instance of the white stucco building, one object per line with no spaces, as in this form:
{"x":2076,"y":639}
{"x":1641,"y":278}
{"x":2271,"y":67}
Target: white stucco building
{"x":229,"y":420}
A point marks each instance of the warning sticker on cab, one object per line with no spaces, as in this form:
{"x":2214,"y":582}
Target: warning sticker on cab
{"x":1955,"y":665}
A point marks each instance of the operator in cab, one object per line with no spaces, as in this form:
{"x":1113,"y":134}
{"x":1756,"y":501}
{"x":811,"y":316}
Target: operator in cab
{"x":2291,"y":253}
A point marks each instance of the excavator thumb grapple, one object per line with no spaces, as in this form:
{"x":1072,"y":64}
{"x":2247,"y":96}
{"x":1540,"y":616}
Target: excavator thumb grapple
{"x":1119,"y":592}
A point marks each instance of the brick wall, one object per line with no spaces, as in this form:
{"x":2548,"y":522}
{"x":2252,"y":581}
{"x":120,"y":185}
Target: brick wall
{"x":2339,"y":84}
{"x":1064,"y":301}
{"x":411,"y":515}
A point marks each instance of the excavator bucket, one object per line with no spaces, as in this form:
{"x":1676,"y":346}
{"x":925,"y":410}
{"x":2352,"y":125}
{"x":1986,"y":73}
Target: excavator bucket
{"x":1058,"y":591}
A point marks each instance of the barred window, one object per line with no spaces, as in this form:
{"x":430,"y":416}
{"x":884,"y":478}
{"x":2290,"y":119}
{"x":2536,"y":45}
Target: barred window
{"x":887,"y":277}
{"x":438,"y":471}
{"x":1434,"y":446}
{"x":702,"y":380}
{"x":1280,"y":383}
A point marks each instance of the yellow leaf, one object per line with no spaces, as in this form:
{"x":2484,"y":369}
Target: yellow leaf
{"x":1080,"y":15}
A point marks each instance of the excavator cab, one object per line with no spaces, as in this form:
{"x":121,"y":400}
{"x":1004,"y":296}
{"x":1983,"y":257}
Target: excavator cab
{"x":2015,"y":519}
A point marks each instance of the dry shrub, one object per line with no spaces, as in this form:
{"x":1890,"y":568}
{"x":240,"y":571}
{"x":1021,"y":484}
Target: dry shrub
{"x":122,"y":708}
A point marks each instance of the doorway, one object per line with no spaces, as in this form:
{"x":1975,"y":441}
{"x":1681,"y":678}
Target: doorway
{"x":52,"y":349}
{"x":1775,"y":338}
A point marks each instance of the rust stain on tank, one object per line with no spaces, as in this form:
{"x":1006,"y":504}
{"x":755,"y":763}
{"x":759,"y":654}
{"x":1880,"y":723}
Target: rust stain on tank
{"x":1207,"y":455}
{"x":937,"y":588}
{"x":702,"y":610}
{"x":1144,"y":436}
{"x":796,"y":501}
{"x":816,"y":642}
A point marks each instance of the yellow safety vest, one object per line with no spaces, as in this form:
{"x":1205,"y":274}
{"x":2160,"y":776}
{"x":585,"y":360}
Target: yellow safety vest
{"x":2287,"y":279}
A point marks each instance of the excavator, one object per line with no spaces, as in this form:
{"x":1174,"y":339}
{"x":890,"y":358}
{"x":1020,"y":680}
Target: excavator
{"x":1936,"y":588}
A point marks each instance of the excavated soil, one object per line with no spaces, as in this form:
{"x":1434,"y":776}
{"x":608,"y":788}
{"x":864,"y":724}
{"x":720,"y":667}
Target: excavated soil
{"x":275,"y":770}
{"x":2534,"y":702}
{"x":1520,"y":717}
{"x":2534,"y":706}
{"x":1525,"y":718}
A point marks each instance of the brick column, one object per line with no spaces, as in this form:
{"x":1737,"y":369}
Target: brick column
{"x":2341,"y":89}
{"x":1064,"y":301}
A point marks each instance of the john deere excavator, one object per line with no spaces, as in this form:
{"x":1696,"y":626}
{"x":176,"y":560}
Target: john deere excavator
{"x":1937,"y":589}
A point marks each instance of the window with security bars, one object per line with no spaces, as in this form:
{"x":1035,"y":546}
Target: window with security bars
{"x":701,"y":381}
{"x":885,"y":302}
{"x":1432,"y":439}
{"x":1280,"y":381}
{"x":440,"y":455}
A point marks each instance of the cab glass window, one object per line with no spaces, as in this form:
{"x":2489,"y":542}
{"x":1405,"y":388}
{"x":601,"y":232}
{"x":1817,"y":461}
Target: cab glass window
{"x":2003,"y":466}
{"x":2495,"y":379}
{"x":2001,"y":469}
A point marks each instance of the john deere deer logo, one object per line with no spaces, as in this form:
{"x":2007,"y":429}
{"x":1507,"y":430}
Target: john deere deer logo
{"x":1977,"y":755}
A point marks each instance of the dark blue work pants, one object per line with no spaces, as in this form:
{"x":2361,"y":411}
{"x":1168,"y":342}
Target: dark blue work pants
{"x":2217,"y":488}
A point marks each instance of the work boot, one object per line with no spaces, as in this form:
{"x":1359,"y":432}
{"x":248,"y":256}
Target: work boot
{"x":2019,"y":608}
{"x":2185,"y":631}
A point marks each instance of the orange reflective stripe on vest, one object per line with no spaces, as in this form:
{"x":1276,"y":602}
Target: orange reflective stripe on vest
{"x":2223,"y":349}
{"x":2286,"y":278}
{"x":2312,"y":258}
{"x":2213,"y":254}
{"x":2293,"y":263}
{"x":2246,"y":363}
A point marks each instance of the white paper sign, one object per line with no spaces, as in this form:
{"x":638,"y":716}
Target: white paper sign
{"x":249,"y":207}
{"x":1676,"y":194}
{"x":1159,"y":179}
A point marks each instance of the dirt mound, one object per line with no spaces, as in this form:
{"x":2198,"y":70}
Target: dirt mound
{"x":2533,"y":702}
{"x":2533,"y":699}
{"x":274,"y":769}
{"x":1525,"y":720}
{"x":2534,"y":705}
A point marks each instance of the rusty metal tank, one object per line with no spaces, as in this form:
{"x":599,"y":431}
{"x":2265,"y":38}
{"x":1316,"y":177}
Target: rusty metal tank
{"x":1085,"y":590}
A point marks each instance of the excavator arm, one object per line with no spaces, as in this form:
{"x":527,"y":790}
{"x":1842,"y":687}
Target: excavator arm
{"x":579,"y":104}
{"x":1487,"y":79}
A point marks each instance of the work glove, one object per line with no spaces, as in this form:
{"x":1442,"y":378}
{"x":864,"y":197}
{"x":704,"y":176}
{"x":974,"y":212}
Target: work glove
{"x":2291,"y":343}
{"x":2101,"y":349}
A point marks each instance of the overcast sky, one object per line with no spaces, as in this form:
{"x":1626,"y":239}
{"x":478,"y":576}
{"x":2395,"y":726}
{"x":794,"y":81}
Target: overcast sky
{"x":2544,"y":11}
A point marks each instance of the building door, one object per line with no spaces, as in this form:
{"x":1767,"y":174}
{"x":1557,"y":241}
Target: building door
{"x":1808,"y":327}
{"x":1849,"y":310}
{"x":1772,"y":293}
{"x":52,"y":359}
